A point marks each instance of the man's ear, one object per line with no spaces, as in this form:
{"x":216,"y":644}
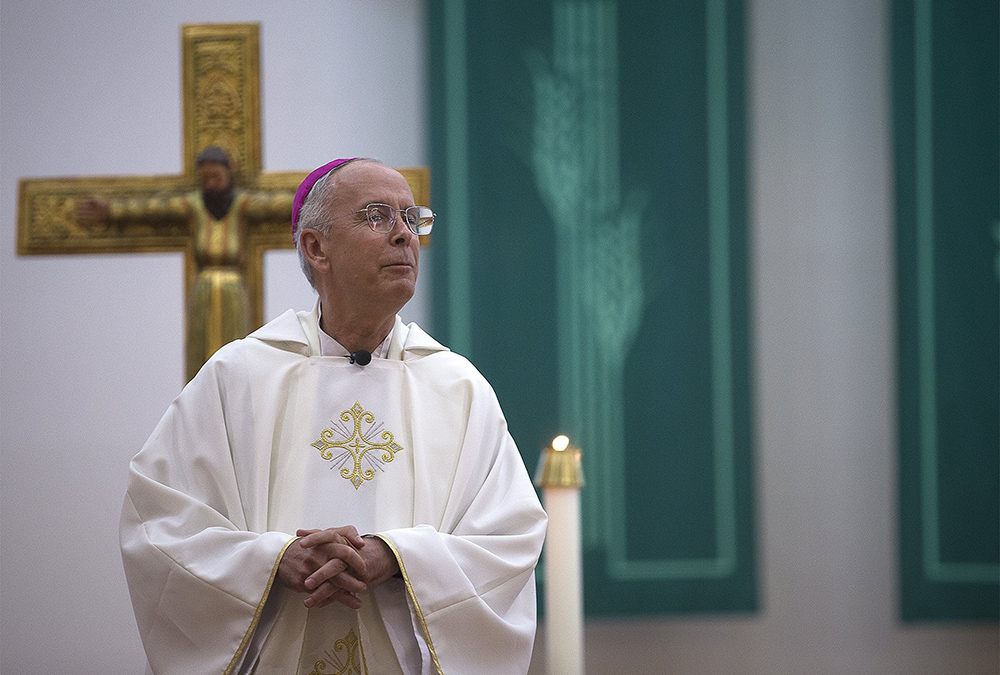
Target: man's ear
{"x":312,"y":247}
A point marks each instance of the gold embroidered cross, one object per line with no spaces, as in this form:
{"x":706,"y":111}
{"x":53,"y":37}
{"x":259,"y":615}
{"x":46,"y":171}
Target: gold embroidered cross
{"x":358,"y":445}
{"x":351,"y":666}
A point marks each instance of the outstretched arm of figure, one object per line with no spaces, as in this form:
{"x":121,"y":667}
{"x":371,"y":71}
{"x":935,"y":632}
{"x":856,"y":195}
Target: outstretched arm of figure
{"x":92,"y":211}
{"x":99,"y":212}
{"x":264,"y":207}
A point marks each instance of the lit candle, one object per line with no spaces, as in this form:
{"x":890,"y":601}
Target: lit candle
{"x":560,"y":477}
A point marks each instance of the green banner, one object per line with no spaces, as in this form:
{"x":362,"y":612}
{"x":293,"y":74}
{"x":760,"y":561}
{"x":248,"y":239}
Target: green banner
{"x":589,"y":170}
{"x":946,"y":77}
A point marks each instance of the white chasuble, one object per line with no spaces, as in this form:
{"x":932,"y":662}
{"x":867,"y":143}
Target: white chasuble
{"x":269,"y":438}
{"x":350,"y":464}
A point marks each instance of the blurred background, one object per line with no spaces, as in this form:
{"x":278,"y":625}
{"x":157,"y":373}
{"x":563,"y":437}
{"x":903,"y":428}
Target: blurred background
{"x":744,"y":254}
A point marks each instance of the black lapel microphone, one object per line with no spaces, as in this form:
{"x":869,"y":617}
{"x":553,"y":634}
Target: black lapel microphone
{"x":362,"y":357}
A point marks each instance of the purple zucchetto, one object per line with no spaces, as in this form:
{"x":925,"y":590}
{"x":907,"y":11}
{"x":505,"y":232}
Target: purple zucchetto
{"x":306,"y":186}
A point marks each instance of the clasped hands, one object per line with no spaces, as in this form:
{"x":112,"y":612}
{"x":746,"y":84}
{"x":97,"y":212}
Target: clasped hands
{"x":335,"y":564}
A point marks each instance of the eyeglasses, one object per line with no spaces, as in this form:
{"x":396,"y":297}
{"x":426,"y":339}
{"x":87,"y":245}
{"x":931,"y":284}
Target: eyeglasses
{"x":382,"y":218}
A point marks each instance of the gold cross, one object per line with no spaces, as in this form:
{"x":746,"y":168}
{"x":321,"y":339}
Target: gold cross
{"x":221,"y":97}
{"x":358,"y":445}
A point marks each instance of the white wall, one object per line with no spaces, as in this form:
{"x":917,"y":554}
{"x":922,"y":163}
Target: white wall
{"x":91,"y":346}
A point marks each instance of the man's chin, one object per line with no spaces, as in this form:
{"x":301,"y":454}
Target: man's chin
{"x":403,"y":290}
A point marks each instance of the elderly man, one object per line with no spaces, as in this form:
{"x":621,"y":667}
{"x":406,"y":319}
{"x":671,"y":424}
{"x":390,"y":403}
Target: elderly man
{"x":337,"y":492}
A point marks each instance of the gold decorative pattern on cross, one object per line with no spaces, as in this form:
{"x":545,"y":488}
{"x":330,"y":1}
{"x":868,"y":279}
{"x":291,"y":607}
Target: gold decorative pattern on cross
{"x":356,"y":444}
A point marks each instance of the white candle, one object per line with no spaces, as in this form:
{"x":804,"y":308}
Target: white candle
{"x":560,"y":478}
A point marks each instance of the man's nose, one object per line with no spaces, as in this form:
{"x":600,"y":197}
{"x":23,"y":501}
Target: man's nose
{"x":400,"y":233}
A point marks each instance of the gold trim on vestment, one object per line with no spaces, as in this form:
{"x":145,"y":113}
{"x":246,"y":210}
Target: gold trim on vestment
{"x":260,"y":609}
{"x":416,"y":605}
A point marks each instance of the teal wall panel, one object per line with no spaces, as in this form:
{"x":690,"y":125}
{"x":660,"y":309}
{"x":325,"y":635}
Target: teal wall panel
{"x":946,"y":77}
{"x":591,"y":260}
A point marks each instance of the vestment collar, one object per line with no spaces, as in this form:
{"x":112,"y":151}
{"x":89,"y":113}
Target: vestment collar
{"x":299,"y":332}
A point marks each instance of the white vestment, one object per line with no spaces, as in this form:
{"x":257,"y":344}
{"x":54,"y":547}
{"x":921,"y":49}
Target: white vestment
{"x":271,"y":437}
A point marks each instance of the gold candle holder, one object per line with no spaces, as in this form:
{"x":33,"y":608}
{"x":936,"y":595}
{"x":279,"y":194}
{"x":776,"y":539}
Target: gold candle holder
{"x":559,"y":465}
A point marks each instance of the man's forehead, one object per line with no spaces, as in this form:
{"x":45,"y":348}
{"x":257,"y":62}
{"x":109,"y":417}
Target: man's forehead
{"x":370,"y":181}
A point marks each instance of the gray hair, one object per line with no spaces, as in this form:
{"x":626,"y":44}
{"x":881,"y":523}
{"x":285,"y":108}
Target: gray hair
{"x":313,"y":215}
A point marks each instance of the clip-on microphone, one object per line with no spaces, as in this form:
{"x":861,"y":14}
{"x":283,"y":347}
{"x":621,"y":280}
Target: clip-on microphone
{"x":362,"y":357}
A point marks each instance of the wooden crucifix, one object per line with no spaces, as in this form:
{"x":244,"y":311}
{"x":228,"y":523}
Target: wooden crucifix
{"x":221,"y":99}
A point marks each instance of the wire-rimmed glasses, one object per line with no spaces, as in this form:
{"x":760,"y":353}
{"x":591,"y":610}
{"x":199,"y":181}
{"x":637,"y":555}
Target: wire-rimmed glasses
{"x":382,"y":218}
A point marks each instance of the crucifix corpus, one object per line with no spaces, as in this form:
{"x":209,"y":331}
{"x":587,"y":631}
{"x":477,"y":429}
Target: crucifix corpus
{"x":223,"y":243}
